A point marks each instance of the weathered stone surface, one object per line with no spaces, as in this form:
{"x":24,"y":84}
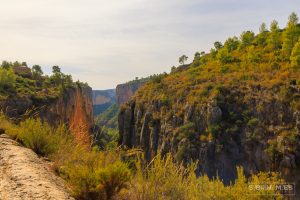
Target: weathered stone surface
{"x":125,"y":91}
{"x":74,"y":108}
{"x":25,"y":176}
{"x":244,"y":130}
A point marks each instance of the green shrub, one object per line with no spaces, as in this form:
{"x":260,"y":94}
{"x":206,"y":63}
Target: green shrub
{"x":166,"y":179}
{"x":7,"y":78}
{"x":186,"y":131}
{"x":107,"y":138}
{"x":38,"y":136}
{"x":97,"y":175}
{"x":215,"y":130}
{"x":253,"y":122}
{"x":113,"y":178}
{"x":7,"y":126}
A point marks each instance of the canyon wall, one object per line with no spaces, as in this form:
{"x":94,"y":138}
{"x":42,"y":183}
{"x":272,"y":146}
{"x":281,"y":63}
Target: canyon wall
{"x":74,"y":107}
{"x":253,"y":128}
{"x":125,"y":91}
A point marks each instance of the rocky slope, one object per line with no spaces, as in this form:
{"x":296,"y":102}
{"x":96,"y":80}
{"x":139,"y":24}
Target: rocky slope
{"x":23,"y":175}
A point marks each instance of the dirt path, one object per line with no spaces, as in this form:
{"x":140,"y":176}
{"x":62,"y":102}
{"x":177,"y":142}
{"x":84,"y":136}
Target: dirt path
{"x":25,"y":176}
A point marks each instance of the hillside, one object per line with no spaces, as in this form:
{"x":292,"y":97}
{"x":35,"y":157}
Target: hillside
{"x":237,"y":105}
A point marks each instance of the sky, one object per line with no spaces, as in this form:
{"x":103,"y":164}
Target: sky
{"x":105,"y":43}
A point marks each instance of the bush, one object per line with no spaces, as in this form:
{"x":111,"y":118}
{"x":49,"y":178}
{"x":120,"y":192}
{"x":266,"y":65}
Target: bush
{"x":7,"y":126}
{"x":97,"y":175}
{"x":165,"y":179}
{"x":215,"y":130}
{"x":113,"y":178}
{"x":186,"y":131}
{"x":38,"y":136}
{"x":7,"y":78}
{"x":253,"y":122}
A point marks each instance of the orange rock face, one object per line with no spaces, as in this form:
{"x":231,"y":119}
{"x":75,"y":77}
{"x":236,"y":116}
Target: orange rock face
{"x":74,"y":108}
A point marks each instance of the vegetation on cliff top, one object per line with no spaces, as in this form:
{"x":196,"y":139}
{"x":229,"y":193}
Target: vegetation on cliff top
{"x":269,"y":59}
{"x":19,"y":81}
{"x":251,"y":68}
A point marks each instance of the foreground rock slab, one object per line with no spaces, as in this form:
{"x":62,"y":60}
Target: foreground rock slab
{"x":25,"y":176}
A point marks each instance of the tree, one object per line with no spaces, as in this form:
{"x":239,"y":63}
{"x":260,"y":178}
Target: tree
{"x":57,"y":76}
{"x":24,"y":64}
{"x":5,"y":64}
{"x":173,"y":69}
{"x":261,"y":38}
{"x":16,"y":64}
{"x":197,"y":55}
{"x":37,"y":71}
{"x":293,"y":18}
{"x":231,"y":44}
{"x":247,"y":38}
{"x":68,"y":81}
{"x":295,"y":57}
{"x":274,"y":36}
{"x":290,"y":35}
{"x":218,"y":45}
{"x":263,"y":28}
{"x":56,"y":69}
{"x":182,"y":59}
{"x":224,"y":56}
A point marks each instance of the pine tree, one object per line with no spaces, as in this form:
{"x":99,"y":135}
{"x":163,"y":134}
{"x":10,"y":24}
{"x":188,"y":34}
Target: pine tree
{"x":295,"y":57}
{"x":290,"y":35}
{"x":274,"y":36}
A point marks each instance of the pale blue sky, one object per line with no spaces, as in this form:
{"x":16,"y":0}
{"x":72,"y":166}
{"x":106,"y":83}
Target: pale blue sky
{"x":109,"y":42}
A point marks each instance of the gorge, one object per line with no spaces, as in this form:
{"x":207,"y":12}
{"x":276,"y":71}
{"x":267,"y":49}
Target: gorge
{"x":228,"y":119}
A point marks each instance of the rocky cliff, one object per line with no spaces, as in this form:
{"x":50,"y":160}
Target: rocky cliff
{"x":73,"y":107}
{"x":252,"y":128}
{"x":238,"y":105}
{"x":125,"y":91}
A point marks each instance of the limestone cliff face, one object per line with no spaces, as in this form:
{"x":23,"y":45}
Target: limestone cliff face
{"x":125,"y":91}
{"x":227,"y":131}
{"x":74,"y":107}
